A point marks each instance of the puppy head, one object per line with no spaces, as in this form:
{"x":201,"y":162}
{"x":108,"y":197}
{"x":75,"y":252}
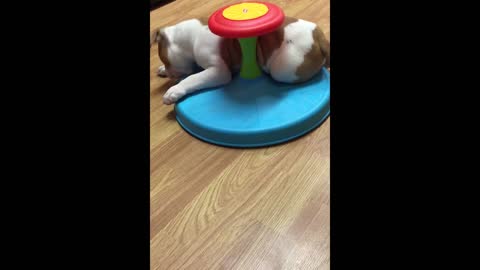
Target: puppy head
{"x":175,"y":59}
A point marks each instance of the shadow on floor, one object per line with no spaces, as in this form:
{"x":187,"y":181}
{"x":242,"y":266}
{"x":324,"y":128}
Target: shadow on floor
{"x":162,"y":89}
{"x":171,"y":115}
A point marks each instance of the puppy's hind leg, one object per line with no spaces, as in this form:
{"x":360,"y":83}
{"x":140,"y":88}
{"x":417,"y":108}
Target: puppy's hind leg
{"x":162,"y":72}
{"x":210,"y":77}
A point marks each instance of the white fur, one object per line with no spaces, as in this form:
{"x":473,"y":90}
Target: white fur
{"x":193,"y":43}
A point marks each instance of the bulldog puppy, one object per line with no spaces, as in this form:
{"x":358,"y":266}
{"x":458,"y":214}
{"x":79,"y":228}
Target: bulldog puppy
{"x":294,"y":53}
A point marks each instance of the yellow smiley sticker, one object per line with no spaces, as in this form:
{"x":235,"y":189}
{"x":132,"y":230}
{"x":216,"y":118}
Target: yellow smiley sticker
{"x":245,"y":11}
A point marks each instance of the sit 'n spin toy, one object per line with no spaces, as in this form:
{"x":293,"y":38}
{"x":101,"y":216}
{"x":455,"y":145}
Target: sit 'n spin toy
{"x":253,"y":110}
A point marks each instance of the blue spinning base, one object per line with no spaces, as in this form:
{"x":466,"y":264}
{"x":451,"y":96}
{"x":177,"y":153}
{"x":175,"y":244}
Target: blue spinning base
{"x":254,"y":113}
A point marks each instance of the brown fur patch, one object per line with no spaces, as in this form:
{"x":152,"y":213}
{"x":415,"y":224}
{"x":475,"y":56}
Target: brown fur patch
{"x":268,"y":43}
{"x":154,"y":37}
{"x":324,"y":44}
{"x":318,"y":55}
{"x":231,"y":53}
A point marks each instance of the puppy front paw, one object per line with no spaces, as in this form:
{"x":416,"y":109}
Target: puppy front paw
{"x":173,"y":95}
{"x":162,"y":72}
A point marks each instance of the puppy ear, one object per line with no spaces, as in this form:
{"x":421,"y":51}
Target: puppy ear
{"x":155,"y":36}
{"x":158,"y":36}
{"x":324,"y":45}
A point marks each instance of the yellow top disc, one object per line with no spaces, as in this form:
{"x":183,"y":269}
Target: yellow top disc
{"x":245,"y":11}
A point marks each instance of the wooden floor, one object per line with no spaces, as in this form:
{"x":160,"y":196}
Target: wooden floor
{"x":221,"y":208}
